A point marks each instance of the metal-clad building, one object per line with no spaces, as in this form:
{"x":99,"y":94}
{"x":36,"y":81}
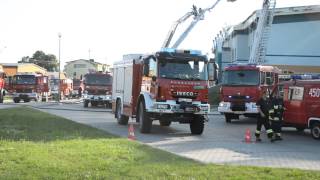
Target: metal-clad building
{"x":294,"y":41}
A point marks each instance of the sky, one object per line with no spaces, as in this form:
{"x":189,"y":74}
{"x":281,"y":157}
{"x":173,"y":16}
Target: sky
{"x":105,"y":30}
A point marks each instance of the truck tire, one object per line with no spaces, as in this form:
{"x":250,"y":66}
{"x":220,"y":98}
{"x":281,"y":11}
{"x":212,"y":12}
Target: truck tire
{"x":164,"y":122}
{"x":94,"y":103}
{"x":197,"y":125}
{"x":85,"y":103}
{"x":144,"y":119}
{"x":26,"y":100}
{"x":228,"y":117}
{"x":16,"y":100}
{"x":315,"y":131}
{"x":1,"y":98}
{"x":122,"y":119}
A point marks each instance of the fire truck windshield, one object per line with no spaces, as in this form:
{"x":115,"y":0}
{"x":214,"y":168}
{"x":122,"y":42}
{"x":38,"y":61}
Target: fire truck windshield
{"x":25,"y":79}
{"x":182,"y":69}
{"x":240,"y":77}
{"x":98,"y":80}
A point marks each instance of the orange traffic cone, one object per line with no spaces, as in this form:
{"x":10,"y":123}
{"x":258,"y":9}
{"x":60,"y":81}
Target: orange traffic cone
{"x":247,"y":137}
{"x":131,"y":135}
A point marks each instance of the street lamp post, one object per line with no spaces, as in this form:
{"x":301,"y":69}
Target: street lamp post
{"x":59,"y":82}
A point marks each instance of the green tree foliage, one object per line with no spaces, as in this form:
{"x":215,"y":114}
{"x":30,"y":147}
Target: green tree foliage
{"x":47,"y":61}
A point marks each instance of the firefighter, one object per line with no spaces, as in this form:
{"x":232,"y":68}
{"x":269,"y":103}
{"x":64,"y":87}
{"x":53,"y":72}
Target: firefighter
{"x":80,"y":92}
{"x":263,"y":107}
{"x":275,"y":117}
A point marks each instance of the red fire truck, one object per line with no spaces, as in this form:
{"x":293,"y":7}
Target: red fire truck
{"x":97,"y":89}
{"x":2,"y":85}
{"x":66,"y":88}
{"x":169,"y":86}
{"x":302,"y":105}
{"x":28,"y":86}
{"x":77,"y":88}
{"x":242,"y":86}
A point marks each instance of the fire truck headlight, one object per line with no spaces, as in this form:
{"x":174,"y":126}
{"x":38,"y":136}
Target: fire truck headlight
{"x":254,"y":106}
{"x":223,"y":104}
{"x":204,"y":108}
{"x":163,"y":106}
{"x":247,"y":97}
{"x":230,"y":97}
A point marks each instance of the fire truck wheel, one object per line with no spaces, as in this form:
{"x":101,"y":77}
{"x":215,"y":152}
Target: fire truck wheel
{"x":228,"y":118}
{"x":16,"y":100}
{"x":197,"y":125}
{"x":85,"y":103}
{"x":94,"y":103}
{"x":144,"y":119}
{"x":122,"y":120}
{"x":315,"y":131}
{"x":164,"y":123}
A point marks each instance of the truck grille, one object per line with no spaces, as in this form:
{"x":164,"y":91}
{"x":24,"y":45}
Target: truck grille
{"x":238,"y":107}
{"x":97,"y":92}
{"x":24,"y":90}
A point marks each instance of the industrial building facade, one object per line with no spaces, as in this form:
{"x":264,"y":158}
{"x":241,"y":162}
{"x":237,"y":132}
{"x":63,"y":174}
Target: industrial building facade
{"x":293,"y":43}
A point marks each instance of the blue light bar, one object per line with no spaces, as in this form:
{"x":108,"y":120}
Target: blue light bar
{"x":186,"y":51}
{"x":170,"y":50}
{"x":305,"y":76}
{"x":195,"y":52}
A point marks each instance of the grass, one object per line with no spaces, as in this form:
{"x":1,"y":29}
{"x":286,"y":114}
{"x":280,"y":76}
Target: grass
{"x":36,"y":145}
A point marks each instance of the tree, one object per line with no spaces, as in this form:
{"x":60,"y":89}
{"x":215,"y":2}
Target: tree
{"x":47,"y":61}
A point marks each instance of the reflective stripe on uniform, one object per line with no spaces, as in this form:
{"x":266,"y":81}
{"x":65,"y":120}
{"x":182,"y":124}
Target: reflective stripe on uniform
{"x":271,"y":111}
{"x":274,"y":118}
{"x":257,"y":132}
{"x":278,"y":134}
{"x":269,"y":131}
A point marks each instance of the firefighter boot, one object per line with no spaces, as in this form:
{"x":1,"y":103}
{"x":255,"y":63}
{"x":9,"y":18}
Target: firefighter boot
{"x":270,"y":134}
{"x":278,"y":137}
{"x":257,"y":134}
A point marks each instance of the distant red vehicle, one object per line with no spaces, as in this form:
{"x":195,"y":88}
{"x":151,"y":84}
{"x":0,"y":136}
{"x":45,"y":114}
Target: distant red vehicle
{"x":302,"y":103}
{"x":97,"y":89}
{"x":2,"y":86}
{"x":30,"y":86}
{"x":242,"y":86}
{"x":77,"y":88}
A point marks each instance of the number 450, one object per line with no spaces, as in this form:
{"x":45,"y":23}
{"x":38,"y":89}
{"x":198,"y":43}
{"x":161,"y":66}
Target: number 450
{"x":314,"y":92}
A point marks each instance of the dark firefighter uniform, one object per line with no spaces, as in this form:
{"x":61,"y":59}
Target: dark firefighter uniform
{"x":264,"y":105}
{"x":275,"y":117}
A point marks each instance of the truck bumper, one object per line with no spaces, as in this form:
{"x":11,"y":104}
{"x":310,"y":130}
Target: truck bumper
{"x":104,"y":98}
{"x":25,"y":95}
{"x":249,"y":108}
{"x":170,"y":107}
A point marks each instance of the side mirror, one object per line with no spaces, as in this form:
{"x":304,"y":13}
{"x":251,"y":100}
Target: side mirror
{"x":146,"y":67}
{"x":212,"y":70}
{"x":154,"y":78}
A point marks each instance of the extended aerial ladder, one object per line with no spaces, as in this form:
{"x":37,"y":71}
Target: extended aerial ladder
{"x":198,"y":14}
{"x":263,"y":30}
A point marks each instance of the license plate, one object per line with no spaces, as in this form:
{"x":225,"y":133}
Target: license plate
{"x":189,"y":109}
{"x":184,"y":100}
